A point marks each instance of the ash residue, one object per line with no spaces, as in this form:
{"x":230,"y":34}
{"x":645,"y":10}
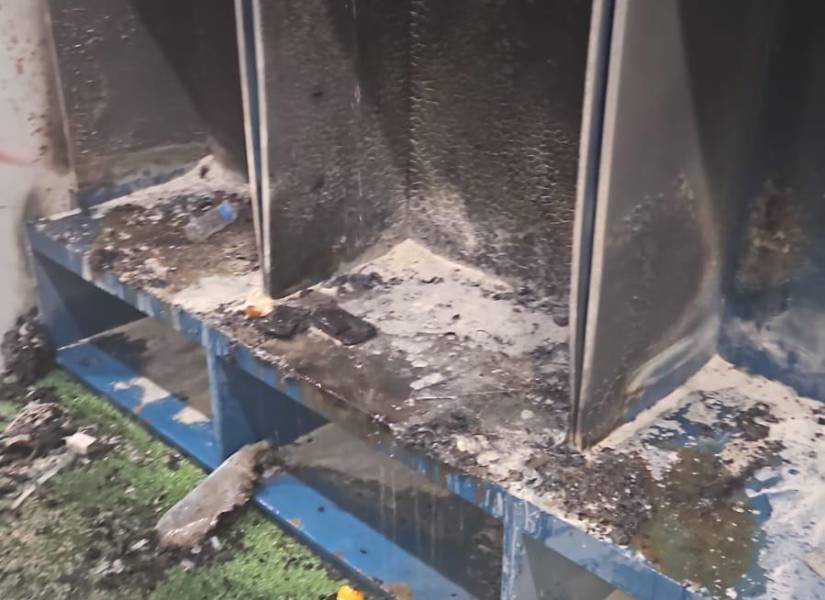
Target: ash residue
{"x":357,"y":282}
{"x":102,"y":258}
{"x":747,"y":422}
{"x":774,"y":242}
{"x":437,"y":434}
{"x":146,"y":245}
{"x":610,"y":490}
{"x":28,"y":353}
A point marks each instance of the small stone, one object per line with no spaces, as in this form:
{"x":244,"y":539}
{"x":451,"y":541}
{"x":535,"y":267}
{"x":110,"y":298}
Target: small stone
{"x":526,"y":415}
{"x":187,"y":565}
{"x":427,"y":381}
{"x":81,"y":444}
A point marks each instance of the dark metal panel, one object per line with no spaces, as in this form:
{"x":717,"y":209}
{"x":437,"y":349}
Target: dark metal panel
{"x":148,"y":86}
{"x":455,"y":123}
{"x":496,"y":106}
{"x":775,"y":318}
{"x":590,"y":146}
{"x":335,"y":145}
{"x":679,"y":117}
{"x":73,"y":309}
{"x":247,"y":54}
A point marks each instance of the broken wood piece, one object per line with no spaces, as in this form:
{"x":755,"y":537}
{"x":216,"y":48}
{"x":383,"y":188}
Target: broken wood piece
{"x":48,"y":468}
{"x":189,"y":522}
{"x":53,"y":465}
{"x":80,"y":443}
{"x":23,"y":496}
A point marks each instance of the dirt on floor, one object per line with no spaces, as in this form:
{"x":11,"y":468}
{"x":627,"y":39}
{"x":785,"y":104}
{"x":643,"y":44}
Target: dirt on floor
{"x":80,"y":523}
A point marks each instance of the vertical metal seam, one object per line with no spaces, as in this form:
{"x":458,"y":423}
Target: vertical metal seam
{"x":588,"y":183}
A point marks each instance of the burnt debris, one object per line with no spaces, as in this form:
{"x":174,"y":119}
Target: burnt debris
{"x":285,"y":321}
{"x":146,"y":246}
{"x":342,"y":325}
{"x":28,"y":353}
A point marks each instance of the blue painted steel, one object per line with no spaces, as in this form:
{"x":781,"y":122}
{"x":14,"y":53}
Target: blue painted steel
{"x":72,"y":309}
{"x":617,"y":566}
{"x":340,"y":537}
{"x":69,"y":254}
{"x":122,"y":386}
{"x":512,"y":560}
{"x":608,"y":562}
{"x":71,"y":257}
{"x":336,"y":533}
{"x":244,"y":409}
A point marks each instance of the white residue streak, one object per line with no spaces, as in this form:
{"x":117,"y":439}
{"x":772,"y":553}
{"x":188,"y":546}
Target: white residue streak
{"x":427,"y":381}
{"x":206,"y":178}
{"x":795,"y":488}
{"x":435,"y":295}
{"x":792,"y":335}
{"x":146,"y":390}
{"x":213,"y":291}
{"x":190,"y":416}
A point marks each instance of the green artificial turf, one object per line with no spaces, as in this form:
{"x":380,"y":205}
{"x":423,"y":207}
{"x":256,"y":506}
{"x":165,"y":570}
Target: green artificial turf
{"x":50,"y":547}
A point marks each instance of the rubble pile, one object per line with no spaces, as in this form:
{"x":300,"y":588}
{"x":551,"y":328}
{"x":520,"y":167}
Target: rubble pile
{"x":28,"y":354}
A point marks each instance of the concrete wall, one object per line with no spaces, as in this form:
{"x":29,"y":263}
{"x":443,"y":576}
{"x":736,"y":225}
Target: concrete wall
{"x":34,"y":177}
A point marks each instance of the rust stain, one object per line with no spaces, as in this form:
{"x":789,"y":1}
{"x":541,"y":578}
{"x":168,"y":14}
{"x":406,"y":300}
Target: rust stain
{"x":400,"y":591}
{"x":687,"y":541}
{"x":295,"y":522}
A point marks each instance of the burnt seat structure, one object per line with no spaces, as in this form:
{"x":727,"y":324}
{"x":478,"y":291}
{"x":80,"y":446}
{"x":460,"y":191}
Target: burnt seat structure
{"x":545,"y":278}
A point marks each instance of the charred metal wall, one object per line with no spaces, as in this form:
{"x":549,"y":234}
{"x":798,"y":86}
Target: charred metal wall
{"x":679,"y":121}
{"x":148,"y":86}
{"x":775,"y":318}
{"x":710,"y":213}
{"x":335,"y":124}
{"x":453,"y":122}
{"x":496,"y":91}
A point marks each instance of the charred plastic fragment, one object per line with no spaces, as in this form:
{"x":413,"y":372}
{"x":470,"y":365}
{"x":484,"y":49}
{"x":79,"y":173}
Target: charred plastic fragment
{"x":343,"y":326}
{"x":285,"y":321}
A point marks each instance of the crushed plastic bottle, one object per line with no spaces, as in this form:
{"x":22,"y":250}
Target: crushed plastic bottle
{"x":211,"y":222}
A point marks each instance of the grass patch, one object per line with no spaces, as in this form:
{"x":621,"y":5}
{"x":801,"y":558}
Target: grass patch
{"x":59,"y":535}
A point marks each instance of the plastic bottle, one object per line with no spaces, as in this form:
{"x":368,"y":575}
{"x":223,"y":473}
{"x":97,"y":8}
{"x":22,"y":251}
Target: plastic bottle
{"x":211,"y":222}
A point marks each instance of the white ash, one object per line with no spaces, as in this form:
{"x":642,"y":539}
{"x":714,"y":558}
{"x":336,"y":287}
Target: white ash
{"x":207,"y":178}
{"x":214,"y":291}
{"x":433,"y":295}
{"x":795,"y":526}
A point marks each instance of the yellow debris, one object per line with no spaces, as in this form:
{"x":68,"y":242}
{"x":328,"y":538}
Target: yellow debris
{"x":346,"y":592}
{"x":258,"y":304}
